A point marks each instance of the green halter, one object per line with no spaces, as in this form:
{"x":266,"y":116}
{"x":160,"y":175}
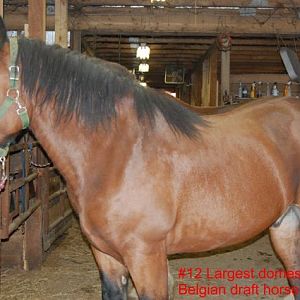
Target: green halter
{"x":12,"y":95}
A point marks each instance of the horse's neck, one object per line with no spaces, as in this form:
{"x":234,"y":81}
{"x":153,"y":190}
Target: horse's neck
{"x":77,"y":152}
{"x":59,"y":143}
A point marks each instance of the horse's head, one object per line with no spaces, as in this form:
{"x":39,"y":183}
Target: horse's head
{"x":13,"y":114}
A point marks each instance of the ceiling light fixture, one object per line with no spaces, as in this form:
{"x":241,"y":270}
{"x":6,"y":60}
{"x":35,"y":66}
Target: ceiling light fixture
{"x":143,"y":52}
{"x":143,"y":68}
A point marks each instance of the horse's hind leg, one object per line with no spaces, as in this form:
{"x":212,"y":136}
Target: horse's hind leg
{"x":113,"y":275}
{"x":285,"y":236}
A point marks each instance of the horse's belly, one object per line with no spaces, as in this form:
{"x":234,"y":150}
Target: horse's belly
{"x":223,"y":223}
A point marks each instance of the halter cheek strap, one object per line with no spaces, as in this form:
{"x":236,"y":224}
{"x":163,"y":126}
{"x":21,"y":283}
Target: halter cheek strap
{"x":12,"y":97}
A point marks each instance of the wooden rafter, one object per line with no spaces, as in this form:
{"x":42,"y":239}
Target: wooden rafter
{"x":174,"y":3}
{"x":174,"y":21}
{"x":192,"y":3}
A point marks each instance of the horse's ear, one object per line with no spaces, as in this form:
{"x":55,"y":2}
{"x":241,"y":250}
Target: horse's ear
{"x":3,"y":34}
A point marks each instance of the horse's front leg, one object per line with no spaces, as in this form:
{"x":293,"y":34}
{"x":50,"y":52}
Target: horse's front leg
{"x":147,"y":264}
{"x":113,"y":275}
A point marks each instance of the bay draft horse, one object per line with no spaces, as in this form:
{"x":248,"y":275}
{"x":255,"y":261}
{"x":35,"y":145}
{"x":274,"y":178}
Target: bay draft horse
{"x":146,"y":176}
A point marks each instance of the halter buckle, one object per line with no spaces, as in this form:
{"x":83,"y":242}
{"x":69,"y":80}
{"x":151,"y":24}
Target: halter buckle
{"x":14,"y":72}
{"x":21,"y":110}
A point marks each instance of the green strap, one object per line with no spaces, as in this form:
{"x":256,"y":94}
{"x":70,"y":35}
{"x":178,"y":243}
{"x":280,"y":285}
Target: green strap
{"x":5,"y":106}
{"x":3,"y":109}
{"x":24,"y":118}
{"x":4,"y":150}
{"x":13,"y":48}
{"x":22,"y":113}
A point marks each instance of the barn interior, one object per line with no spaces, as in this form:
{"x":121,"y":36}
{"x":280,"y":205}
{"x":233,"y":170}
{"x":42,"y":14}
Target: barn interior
{"x":209,"y":54}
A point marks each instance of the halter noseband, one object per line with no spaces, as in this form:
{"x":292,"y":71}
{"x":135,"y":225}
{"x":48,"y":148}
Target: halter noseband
{"x":12,"y":97}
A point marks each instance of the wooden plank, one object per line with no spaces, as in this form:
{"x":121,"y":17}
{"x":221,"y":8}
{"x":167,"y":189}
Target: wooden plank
{"x":58,"y":228}
{"x":193,"y":3}
{"x":26,"y":30}
{"x":11,"y":255}
{"x":99,"y":10}
{"x":36,"y":19}
{"x":209,"y":79}
{"x":213,"y":64}
{"x":174,"y":3}
{"x":88,"y":51}
{"x":33,"y":251}
{"x":205,"y":83}
{"x":191,"y":48}
{"x":43,"y":194}
{"x":61,"y":23}
{"x":1,"y":8}
{"x":4,"y":202}
{"x":132,"y":21}
{"x":188,"y":40}
{"x":196,"y":87}
{"x":76,"y":40}
{"x":225,"y":74}
{"x":18,"y":221}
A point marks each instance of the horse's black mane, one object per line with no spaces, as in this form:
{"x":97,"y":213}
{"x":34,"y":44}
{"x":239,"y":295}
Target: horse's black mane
{"x":90,"y":88}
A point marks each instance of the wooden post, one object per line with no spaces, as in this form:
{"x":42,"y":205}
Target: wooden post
{"x":43,"y":194}
{"x":4,"y":202}
{"x":225,"y":74}
{"x":209,"y":78}
{"x":33,"y":248}
{"x":196,"y":86}
{"x":37,"y":19}
{"x":76,"y":40}
{"x":1,"y":8}
{"x":26,"y":30}
{"x":61,"y":23}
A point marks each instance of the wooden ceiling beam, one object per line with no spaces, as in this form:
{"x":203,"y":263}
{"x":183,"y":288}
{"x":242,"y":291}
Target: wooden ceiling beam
{"x":149,"y":40}
{"x":161,"y":62}
{"x":154,"y":53}
{"x":192,"y":49}
{"x":154,"y":47}
{"x":175,"y":3}
{"x":195,"y":41}
{"x":141,"y":10}
{"x":179,"y":22}
{"x":191,"y":3}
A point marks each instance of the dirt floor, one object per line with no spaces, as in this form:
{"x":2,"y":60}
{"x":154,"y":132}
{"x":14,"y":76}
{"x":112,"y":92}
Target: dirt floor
{"x":69,"y":272}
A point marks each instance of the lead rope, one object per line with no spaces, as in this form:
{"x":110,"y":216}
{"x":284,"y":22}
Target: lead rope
{"x":34,"y":164}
